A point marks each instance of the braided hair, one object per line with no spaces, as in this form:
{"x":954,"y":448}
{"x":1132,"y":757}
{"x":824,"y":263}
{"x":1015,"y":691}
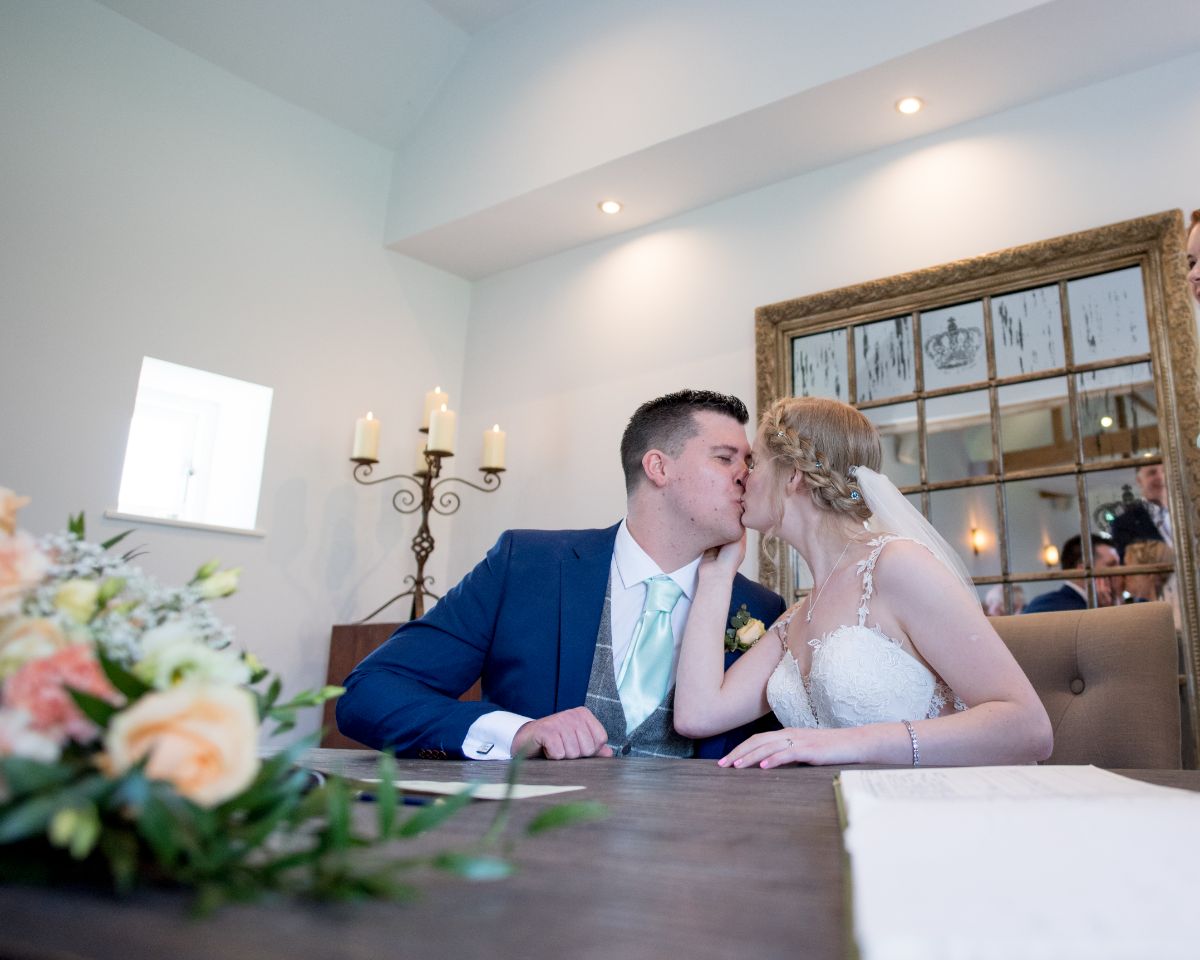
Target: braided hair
{"x":821,"y":439}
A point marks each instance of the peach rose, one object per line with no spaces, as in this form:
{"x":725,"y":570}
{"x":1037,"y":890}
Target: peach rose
{"x":28,"y":638}
{"x":22,"y":567}
{"x":202,"y":738}
{"x":38,"y":688}
{"x":10,"y":503}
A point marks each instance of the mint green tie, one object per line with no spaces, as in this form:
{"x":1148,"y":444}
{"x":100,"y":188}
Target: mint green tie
{"x":646,"y":671}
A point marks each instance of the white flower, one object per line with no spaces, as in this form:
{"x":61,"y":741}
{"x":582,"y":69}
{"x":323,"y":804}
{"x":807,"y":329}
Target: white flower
{"x":174,"y":651}
{"x":77,"y":599}
{"x":17,"y":739}
{"x":220,"y":584}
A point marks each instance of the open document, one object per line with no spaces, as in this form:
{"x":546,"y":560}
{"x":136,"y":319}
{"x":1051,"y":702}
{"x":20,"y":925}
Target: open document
{"x":1030,"y":862}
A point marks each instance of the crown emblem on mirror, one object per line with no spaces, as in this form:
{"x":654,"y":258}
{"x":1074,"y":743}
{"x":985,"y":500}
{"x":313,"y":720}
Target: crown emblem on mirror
{"x":954,"y":347}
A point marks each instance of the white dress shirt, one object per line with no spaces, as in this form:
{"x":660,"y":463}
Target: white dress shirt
{"x":491,"y":736}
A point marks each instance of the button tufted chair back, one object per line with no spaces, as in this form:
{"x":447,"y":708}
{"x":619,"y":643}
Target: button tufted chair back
{"x":1109,"y":681}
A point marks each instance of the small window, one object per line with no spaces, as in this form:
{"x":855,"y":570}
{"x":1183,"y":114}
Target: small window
{"x":196,"y":446}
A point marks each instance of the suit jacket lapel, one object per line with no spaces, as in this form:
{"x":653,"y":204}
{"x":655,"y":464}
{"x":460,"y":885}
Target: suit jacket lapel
{"x":584,"y":579}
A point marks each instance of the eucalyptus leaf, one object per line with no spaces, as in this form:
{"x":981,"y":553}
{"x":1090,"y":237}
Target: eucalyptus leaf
{"x":565,"y":814}
{"x":426,"y":818}
{"x":474,"y":866}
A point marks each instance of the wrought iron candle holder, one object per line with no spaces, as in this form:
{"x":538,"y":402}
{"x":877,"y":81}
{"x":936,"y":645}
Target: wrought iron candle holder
{"x":427,"y":497}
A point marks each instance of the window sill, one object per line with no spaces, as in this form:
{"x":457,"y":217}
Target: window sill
{"x":186,"y":524}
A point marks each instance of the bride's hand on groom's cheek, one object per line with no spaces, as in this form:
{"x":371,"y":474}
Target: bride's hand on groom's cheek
{"x":792,"y":745}
{"x":563,"y":736}
{"x":727,"y":557}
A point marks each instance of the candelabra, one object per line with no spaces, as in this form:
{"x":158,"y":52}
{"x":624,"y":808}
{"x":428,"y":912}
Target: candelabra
{"x":427,"y":499}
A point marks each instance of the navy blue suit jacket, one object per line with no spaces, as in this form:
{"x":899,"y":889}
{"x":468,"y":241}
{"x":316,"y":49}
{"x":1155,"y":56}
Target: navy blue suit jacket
{"x":525,"y":622}
{"x":1064,"y":598}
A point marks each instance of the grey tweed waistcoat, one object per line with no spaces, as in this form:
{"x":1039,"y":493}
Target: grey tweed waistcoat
{"x":656,"y":737}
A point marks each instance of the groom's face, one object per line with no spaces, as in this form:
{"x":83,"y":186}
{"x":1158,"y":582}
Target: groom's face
{"x":707,"y":480}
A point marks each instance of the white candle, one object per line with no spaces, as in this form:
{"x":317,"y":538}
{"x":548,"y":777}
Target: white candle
{"x":434,"y":400}
{"x":493,"y":448}
{"x":442,"y":426}
{"x":366,"y":438}
{"x":420,"y":464}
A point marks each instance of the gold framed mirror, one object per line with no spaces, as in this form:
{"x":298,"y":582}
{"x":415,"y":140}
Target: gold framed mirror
{"x":1026,"y":399}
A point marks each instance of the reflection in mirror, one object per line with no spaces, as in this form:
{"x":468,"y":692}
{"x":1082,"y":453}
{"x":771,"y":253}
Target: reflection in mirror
{"x":958,"y":436}
{"x":1035,"y":425}
{"x":1118,"y":414}
{"x":819,"y":365}
{"x":899,"y":441}
{"x":998,"y":601}
{"x":966,"y":517}
{"x":1027,"y":329}
{"x":1131,"y":504}
{"x":1042,"y":513}
{"x":1051,"y":595}
{"x":884,"y":362}
{"x":953,"y":345}
{"x":1108,"y":316}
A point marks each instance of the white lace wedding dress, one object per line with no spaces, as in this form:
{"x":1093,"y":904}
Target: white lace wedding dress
{"x":859,"y":674}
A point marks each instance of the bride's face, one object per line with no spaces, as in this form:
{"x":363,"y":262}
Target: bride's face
{"x":760,"y":489}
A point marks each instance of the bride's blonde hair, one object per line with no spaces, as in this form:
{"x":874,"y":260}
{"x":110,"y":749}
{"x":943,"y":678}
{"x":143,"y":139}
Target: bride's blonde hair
{"x":821,"y":439}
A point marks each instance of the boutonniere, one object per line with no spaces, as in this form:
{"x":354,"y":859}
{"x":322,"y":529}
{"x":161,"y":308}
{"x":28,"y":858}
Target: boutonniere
{"x":744,"y":630}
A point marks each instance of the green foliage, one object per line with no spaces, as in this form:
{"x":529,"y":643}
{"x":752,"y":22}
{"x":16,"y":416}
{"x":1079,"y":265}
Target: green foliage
{"x":739,"y":620}
{"x":280,"y":835}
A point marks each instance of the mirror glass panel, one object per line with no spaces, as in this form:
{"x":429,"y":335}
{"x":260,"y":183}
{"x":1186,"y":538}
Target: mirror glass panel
{"x":958,"y":436}
{"x":966,"y":517}
{"x":1108,"y":316}
{"x":1027,"y":330}
{"x":1035,"y":425}
{"x":899,"y":441}
{"x":953,"y":351}
{"x":1041,"y":513}
{"x":819,"y":365}
{"x":1118,"y":415}
{"x":883,"y":359}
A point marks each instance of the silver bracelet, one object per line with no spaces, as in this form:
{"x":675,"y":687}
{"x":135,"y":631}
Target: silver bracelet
{"x":912,"y":735}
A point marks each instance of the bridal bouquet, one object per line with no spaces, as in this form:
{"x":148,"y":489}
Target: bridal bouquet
{"x":129,"y":730}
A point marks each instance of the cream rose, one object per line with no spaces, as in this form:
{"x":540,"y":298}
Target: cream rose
{"x":202,"y":738}
{"x":750,"y":632}
{"x":172,"y":653}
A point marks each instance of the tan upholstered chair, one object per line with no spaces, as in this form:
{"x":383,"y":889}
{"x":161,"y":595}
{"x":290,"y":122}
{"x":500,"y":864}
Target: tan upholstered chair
{"x":1109,"y":680}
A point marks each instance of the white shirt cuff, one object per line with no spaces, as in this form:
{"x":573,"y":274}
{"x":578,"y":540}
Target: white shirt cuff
{"x":491,"y":736}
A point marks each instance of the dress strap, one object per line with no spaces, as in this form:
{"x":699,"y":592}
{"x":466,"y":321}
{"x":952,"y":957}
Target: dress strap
{"x":866,"y":570}
{"x":780,"y":626}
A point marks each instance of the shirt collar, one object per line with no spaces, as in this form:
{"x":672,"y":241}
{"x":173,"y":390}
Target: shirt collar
{"x":635,"y":565}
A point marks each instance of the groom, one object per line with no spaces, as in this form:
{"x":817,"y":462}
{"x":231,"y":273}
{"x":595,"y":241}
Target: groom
{"x":575,"y":633}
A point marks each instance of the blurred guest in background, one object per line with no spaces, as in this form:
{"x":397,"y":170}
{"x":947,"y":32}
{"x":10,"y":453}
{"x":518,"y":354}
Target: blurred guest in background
{"x":993,"y":601}
{"x":1072,"y":595}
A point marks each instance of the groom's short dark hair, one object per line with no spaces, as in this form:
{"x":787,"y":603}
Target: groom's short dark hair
{"x":667,"y":423}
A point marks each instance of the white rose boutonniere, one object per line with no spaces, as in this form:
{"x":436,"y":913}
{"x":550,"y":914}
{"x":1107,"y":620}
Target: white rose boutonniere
{"x":744,"y":630}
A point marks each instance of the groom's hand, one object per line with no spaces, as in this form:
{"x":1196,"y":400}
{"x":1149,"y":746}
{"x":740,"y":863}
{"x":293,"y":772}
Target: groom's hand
{"x":563,"y":736}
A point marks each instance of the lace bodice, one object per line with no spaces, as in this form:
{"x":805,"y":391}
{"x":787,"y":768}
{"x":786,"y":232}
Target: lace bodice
{"x":859,"y":674}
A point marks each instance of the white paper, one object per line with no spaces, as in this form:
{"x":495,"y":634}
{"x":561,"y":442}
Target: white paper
{"x":1030,"y":862}
{"x":483,"y":791}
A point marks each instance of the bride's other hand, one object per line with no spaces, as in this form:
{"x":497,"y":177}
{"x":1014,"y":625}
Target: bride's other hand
{"x":725,"y":558}
{"x":794,"y":745}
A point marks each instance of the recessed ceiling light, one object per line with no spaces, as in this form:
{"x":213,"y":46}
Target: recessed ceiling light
{"x":909,"y":104}
{"x":609,"y":206}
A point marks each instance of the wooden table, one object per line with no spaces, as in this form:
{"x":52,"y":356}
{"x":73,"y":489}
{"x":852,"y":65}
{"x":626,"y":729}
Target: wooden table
{"x":693,"y":861}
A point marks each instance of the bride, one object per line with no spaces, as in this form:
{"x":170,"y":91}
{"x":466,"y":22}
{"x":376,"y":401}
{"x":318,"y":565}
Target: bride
{"x":890,"y":658}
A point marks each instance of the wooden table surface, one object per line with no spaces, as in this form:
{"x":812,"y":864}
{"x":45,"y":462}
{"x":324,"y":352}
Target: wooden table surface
{"x":693,"y":861}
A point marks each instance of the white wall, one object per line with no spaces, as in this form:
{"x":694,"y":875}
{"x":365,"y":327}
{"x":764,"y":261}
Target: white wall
{"x":564,"y":349}
{"x":153,"y":204}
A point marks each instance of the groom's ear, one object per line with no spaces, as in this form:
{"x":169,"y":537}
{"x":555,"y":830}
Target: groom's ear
{"x":654,"y":464}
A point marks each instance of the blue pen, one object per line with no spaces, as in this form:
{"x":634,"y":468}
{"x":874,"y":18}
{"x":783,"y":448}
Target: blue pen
{"x":407,"y":800}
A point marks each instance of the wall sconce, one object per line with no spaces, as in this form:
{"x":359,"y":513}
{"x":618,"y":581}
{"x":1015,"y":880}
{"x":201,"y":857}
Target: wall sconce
{"x":978,"y":539}
{"x":1050,"y":555}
